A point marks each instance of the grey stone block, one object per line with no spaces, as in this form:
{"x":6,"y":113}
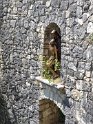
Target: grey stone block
{"x":64,"y":5}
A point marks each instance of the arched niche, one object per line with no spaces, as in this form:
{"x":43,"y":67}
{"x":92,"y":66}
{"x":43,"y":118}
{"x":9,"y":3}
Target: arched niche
{"x":52,"y":32}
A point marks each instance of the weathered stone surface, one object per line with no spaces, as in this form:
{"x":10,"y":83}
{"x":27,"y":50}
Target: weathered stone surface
{"x":88,"y":53}
{"x":72,"y":66}
{"x":80,"y":85}
{"x":88,"y":66}
{"x":48,"y":3}
{"x":90,"y":27}
{"x":55,"y":3}
{"x":85,"y":16}
{"x":12,"y":23}
{"x":72,"y":9}
{"x":22,"y":26}
{"x":64,"y":5}
{"x":80,"y":21}
{"x":76,"y":95}
{"x":80,"y":2}
{"x":79,"y":11}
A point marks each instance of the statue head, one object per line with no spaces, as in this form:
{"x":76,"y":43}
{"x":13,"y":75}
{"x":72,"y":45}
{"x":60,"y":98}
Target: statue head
{"x":54,"y":33}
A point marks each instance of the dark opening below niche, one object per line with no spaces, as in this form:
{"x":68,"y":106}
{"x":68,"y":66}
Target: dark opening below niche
{"x":49,"y":113}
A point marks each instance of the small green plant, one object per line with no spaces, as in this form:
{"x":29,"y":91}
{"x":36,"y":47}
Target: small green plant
{"x":45,"y":71}
{"x":57,"y":65}
{"x":46,"y":74}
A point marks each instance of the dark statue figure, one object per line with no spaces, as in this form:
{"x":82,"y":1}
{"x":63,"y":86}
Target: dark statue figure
{"x":55,"y":35}
{"x":54,"y":54}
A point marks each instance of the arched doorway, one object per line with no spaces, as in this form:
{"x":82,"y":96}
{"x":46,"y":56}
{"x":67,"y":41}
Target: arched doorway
{"x":49,"y":113}
{"x":52,"y":44}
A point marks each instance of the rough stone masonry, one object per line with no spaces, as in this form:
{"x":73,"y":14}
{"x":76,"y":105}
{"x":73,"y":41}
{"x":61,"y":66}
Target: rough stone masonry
{"x":22,"y":26}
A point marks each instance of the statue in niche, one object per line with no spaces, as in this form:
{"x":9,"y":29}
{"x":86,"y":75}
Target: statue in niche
{"x":54,"y":58}
{"x":55,"y":35}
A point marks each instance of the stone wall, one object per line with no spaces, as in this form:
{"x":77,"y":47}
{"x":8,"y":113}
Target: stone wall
{"x":24,"y":23}
{"x":17,"y":86}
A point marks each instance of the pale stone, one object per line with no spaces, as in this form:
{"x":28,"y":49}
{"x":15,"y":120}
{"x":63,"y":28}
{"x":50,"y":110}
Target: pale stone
{"x":27,"y":84}
{"x":38,"y":30}
{"x":80,"y":2}
{"x":26,"y":25}
{"x":88,"y":73}
{"x":9,"y":10}
{"x":60,"y":86}
{"x":32,"y":122}
{"x":92,"y":89}
{"x":50,"y":8}
{"x":31,"y":7}
{"x":67,"y":14}
{"x":31,"y":108}
{"x":81,"y":70}
{"x":28,"y":57}
{"x":79,"y":11}
{"x":48,"y":3}
{"x":85,"y":16}
{"x":88,"y":54}
{"x":24,"y":1}
{"x":75,"y":94}
{"x":80,"y":21}
{"x":90,"y":27}
{"x":11,"y":57}
{"x":29,"y":12}
{"x":79,"y":85}
{"x":72,"y":66}
{"x":86,"y":79}
{"x":12,"y":23}
{"x":82,"y":122}
{"x":78,"y":115}
{"x":67,"y":30}
{"x":91,"y":18}
{"x":15,"y":10}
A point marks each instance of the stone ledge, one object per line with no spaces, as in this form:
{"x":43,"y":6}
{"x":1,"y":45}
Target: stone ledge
{"x":58,"y":83}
